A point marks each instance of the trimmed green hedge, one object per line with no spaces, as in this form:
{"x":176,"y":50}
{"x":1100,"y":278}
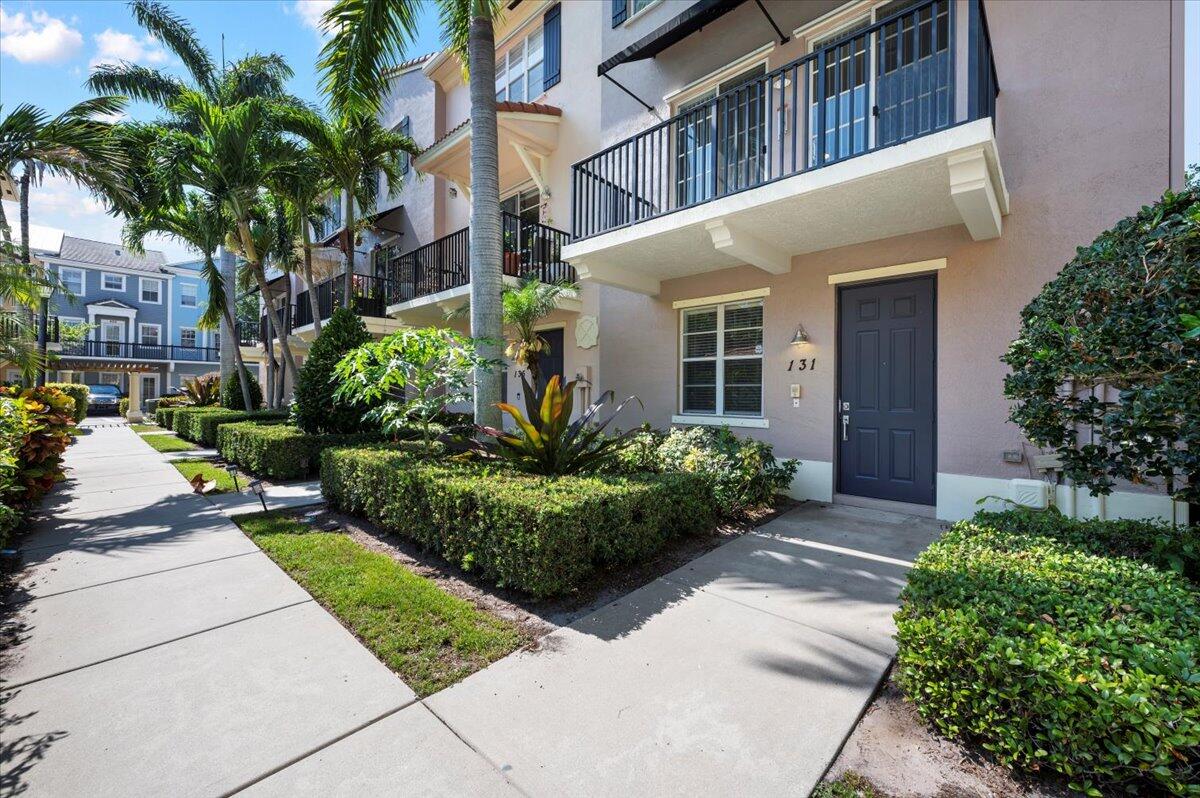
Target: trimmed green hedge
{"x":278,"y":451}
{"x":199,"y":424}
{"x":77,"y":391}
{"x":537,"y":534}
{"x":1055,"y":655}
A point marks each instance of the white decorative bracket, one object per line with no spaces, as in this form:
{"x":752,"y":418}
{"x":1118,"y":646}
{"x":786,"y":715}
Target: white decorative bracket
{"x":535,"y":172}
{"x":616,"y":276}
{"x":974,"y":195}
{"x":745,"y":247}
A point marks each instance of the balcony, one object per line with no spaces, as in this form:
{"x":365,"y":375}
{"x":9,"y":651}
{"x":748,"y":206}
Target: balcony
{"x":10,"y":327}
{"x":427,"y":282}
{"x":368,"y":296}
{"x":114,"y":351}
{"x":886,"y":131}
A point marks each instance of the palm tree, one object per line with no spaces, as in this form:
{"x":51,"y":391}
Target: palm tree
{"x":369,"y":38}
{"x":355,"y":150}
{"x":77,"y":144}
{"x":200,"y":225}
{"x":301,"y":182}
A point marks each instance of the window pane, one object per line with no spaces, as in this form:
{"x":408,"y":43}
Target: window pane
{"x":700,"y":387}
{"x":536,"y":78}
{"x":743,"y":387}
{"x":535,"y":47}
{"x":700,"y":345}
{"x":739,"y":316}
{"x":516,"y":90}
{"x":700,"y":320}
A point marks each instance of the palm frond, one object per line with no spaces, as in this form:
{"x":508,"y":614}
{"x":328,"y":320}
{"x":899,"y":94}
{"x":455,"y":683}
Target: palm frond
{"x":134,"y":81}
{"x":180,"y":38}
{"x":370,"y":37}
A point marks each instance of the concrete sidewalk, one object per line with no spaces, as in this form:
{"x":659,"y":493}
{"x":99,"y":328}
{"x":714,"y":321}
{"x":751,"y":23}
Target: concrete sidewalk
{"x":164,"y":654}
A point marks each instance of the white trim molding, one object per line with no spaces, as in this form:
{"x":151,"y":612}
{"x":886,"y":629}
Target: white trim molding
{"x":157,"y":333}
{"x":737,"y":296}
{"x":142,"y":290}
{"x":82,"y":279}
{"x":721,"y":421}
{"x":916,"y":267}
{"x":124,"y":283}
{"x":957,"y":494}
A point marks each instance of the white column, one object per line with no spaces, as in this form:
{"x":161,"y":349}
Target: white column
{"x":135,"y":397}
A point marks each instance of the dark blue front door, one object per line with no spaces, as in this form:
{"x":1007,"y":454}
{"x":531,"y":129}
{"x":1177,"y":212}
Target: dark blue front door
{"x":551,"y":362}
{"x":886,"y":398}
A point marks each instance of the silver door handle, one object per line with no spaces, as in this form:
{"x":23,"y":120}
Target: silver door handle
{"x":845,"y":424}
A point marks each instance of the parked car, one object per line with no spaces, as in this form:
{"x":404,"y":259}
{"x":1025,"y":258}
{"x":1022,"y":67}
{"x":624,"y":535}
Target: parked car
{"x":104,"y":398}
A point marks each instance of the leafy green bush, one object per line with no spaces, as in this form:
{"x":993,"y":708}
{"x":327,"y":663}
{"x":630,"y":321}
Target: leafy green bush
{"x":317,"y":410}
{"x":1123,"y":314}
{"x":277,"y":451}
{"x":123,"y":406}
{"x":1052,"y":656}
{"x":40,"y":421}
{"x":204,"y":390}
{"x":743,"y":472}
{"x":199,"y":424}
{"x":231,"y":391}
{"x":77,"y":391}
{"x":536,"y":534}
{"x":1163,"y":545}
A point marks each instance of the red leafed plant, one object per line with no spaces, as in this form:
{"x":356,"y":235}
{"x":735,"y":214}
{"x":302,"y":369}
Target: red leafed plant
{"x":48,"y":418}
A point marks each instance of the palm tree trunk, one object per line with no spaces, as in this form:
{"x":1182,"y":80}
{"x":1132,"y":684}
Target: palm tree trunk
{"x":261,"y":280}
{"x":240,"y":365}
{"x":229,"y":337}
{"x":287,"y":329}
{"x":308,"y":277}
{"x":485,"y":249}
{"x":5,"y":228}
{"x":25,"y":180}
{"x":347,"y":285}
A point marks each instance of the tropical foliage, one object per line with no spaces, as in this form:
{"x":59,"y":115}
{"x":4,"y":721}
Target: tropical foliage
{"x":317,"y":409}
{"x":35,"y":429}
{"x":1109,"y":353}
{"x":203,"y":390}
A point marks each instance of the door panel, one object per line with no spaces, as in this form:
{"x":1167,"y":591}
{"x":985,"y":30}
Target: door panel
{"x":887,"y":401}
{"x":551,"y":362}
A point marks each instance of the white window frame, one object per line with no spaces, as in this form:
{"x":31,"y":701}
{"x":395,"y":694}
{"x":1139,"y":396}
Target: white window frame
{"x":719,"y":415}
{"x":82,"y":279}
{"x":150,"y":375}
{"x":632,"y":12}
{"x":142,"y":283}
{"x":142,"y":327}
{"x":195,"y":338}
{"x":104,"y":278}
{"x":195,"y":293}
{"x":502,"y":66}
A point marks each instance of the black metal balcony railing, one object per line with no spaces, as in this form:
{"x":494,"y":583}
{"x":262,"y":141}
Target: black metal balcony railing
{"x":368,"y":293}
{"x":125,"y":350}
{"x":884,"y":84}
{"x":530,"y":248}
{"x":11,"y":328}
{"x":250,"y":333}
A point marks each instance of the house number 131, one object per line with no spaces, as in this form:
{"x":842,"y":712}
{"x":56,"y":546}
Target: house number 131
{"x":803,"y":364}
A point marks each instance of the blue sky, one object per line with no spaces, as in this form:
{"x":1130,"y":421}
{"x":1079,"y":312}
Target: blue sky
{"x":47,"y":48}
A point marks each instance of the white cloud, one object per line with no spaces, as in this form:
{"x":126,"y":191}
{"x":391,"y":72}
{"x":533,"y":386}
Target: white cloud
{"x":59,"y":203}
{"x":113,"y":46}
{"x":311,"y":13}
{"x":37,"y":38}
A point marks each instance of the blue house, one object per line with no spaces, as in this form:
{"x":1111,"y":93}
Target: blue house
{"x":139,"y":317}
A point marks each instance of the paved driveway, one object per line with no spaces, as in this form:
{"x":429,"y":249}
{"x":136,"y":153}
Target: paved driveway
{"x":162,"y":653}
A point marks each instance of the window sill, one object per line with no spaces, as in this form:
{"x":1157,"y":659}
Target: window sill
{"x":722,"y":421}
{"x":639,"y":14}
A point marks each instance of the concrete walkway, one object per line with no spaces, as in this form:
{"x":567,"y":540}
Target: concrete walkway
{"x":164,"y":654}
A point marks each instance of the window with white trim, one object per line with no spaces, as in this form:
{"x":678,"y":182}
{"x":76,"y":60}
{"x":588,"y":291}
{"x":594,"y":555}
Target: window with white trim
{"x":519,"y":75}
{"x":149,"y":334}
{"x":72,"y":279}
{"x":187,"y":337}
{"x":112,"y":282}
{"x":151,"y":290}
{"x":721,"y":372}
{"x":188,"y":294}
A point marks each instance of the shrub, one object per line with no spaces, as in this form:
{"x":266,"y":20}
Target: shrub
{"x":203,"y":390}
{"x":536,"y":534}
{"x":199,"y":424}
{"x":231,"y":391}
{"x":77,"y":391}
{"x":1123,"y":314}
{"x":277,"y":451}
{"x":1052,"y":656}
{"x":1175,"y":548}
{"x":123,"y":406}
{"x":743,"y":472}
{"x":317,"y":410}
{"x":45,"y":417}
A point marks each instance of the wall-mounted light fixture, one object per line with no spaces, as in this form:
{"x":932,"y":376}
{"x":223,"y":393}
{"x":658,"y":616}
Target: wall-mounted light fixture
{"x":801,"y":336}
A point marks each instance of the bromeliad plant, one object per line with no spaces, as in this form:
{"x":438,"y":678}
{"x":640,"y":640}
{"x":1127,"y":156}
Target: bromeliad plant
{"x":548,"y":442}
{"x":410,"y":375}
{"x":203,"y":390}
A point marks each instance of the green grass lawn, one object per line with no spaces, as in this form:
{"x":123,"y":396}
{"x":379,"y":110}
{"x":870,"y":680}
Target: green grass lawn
{"x":146,"y":428}
{"x":429,"y":637}
{"x":168,"y":443}
{"x":190,"y":468}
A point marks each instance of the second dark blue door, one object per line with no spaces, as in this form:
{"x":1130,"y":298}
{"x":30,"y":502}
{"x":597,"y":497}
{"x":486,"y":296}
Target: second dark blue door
{"x":886,"y":401}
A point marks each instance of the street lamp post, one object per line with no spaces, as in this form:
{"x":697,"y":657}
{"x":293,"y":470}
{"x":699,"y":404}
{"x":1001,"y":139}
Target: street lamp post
{"x":43,"y":319}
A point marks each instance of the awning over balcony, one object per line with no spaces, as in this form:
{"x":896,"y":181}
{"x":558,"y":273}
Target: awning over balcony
{"x":528,"y":132}
{"x":675,"y":30}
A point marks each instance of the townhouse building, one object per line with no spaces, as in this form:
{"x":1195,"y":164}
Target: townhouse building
{"x":136,"y":318}
{"x":812,"y":221}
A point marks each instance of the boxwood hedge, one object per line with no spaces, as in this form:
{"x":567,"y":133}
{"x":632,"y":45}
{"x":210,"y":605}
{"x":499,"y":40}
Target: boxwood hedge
{"x":199,"y":424}
{"x":277,"y":451}
{"x":541,"y":535}
{"x":1053,"y":654}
